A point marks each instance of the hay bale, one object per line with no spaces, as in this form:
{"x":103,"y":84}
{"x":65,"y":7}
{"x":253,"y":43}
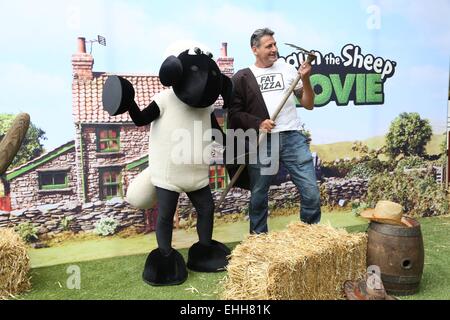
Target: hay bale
{"x":14,"y":265}
{"x":304,"y":262}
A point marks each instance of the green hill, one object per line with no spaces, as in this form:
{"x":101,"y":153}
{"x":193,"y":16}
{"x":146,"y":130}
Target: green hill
{"x":341,"y":150}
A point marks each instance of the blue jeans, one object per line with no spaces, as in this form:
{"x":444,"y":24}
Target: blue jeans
{"x":293,"y":151}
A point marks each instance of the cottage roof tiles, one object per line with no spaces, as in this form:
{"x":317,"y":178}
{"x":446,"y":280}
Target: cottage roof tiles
{"x":87,"y":97}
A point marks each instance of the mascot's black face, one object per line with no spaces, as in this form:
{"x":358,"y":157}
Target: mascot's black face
{"x":196,"y":79}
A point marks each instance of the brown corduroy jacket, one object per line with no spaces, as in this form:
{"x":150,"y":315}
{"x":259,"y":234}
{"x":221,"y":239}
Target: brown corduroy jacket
{"x":247,"y":108}
{"x":246,"y":111}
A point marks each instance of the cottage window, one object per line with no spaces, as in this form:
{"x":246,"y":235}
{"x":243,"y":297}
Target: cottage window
{"x":110,"y":184}
{"x":221,"y":118}
{"x":108,"y":139}
{"x":217,"y":177}
{"x":53,"y":180}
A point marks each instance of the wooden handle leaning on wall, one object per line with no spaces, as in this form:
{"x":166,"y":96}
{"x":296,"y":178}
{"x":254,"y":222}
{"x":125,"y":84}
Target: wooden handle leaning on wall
{"x":11,"y":142}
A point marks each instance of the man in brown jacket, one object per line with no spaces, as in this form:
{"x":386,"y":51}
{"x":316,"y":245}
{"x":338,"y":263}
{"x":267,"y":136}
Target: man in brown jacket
{"x":258,"y":91}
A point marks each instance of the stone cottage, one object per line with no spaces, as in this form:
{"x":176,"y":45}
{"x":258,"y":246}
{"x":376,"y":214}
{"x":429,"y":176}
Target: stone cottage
{"x":106,"y":153}
{"x":84,"y":179}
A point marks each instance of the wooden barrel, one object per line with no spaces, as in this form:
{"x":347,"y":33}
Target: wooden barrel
{"x":399,"y":253}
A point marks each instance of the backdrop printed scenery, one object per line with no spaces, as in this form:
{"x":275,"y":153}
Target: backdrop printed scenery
{"x":36,"y":61}
{"x":381,"y":81}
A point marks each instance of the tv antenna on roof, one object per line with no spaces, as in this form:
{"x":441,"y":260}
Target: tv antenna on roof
{"x":100,"y":39}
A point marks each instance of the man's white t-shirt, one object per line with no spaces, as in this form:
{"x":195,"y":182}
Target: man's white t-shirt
{"x":274,"y":83}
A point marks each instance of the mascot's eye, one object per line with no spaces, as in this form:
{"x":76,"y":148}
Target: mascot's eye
{"x":194,"y":68}
{"x":214,"y":73}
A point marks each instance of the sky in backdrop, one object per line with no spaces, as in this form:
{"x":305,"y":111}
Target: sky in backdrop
{"x":39,"y":37}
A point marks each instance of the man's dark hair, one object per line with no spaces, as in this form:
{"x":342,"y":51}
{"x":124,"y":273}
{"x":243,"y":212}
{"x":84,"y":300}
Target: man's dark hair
{"x":258,"y":34}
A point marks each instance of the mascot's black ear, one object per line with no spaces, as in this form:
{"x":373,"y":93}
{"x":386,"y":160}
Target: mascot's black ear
{"x":227,"y":91}
{"x":171,"y":71}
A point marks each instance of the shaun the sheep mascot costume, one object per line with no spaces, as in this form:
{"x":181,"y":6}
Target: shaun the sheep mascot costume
{"x":176,"y":114}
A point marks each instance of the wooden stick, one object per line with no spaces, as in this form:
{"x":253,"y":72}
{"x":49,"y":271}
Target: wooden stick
{"x":288,"y":93}
{"x":11,"y":142}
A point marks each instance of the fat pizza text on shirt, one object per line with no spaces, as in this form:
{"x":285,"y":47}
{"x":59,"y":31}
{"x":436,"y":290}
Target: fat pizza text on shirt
{"x":270,"y":82}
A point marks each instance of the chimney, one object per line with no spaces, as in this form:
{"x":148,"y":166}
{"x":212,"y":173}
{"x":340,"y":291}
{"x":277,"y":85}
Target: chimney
{"x":225,"y":63}
{"x":224,"y":50}
{"x":81,"y":45}
{"x":82,"y":62}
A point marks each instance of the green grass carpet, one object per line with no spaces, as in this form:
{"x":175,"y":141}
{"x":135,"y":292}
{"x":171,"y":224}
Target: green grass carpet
{"x":435,"y":282}
{"x":86,"y":250}
{"x":120,"y":277}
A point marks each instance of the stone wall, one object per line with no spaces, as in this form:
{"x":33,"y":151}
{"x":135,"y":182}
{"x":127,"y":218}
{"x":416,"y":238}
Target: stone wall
{"x":339,"y":191}
{"x":283,"y":195}
{"x":48,"y":217}
{"x":24,"y":190}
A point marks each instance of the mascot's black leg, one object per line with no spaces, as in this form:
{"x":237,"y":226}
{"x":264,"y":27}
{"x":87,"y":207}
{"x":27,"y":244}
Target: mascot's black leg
{"x":207,"y":255}
{"x":204,"y":205}
{"x":165,"y":266}
{"x":167,"y":205}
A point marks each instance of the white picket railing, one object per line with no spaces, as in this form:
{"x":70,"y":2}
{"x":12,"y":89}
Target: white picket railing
{"x":439,"y":172}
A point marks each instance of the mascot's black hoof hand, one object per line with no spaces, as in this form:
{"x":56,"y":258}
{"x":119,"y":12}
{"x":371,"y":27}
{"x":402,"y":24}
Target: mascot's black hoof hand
{"x":118,"y":95}
{"x":163,"y":270}
{"x":211,"y":258}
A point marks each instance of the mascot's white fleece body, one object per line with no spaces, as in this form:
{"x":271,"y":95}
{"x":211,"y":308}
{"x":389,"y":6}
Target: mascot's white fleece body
{"x":178,"y":159}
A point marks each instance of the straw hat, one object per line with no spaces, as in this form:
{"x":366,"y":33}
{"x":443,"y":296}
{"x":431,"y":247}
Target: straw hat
{"x":386,"y":212}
